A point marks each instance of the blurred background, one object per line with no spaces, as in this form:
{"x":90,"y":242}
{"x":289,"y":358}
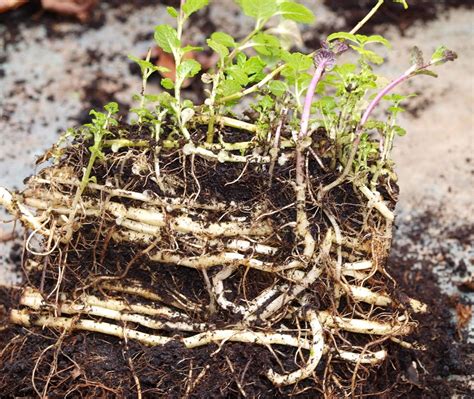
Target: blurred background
{"x":59,"y":59}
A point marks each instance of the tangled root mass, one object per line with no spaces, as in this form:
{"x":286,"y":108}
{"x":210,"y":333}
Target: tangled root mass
{"x":185,"y":276}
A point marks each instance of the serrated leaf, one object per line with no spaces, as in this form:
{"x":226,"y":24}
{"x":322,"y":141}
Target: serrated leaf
{"x":147,"y":65}
{"x":277,"y":87}
{"x":167,"y":38}
{"x":342,"y":35}
{"x":298,"y":61}
{"x":345,"y":69}
{"x":229,"y":87}
{"x":187,"y":69}
{"x":396,"y":110}
{"x":188,"y":48}
{"x":369,"y":55}
{"x":266,"y":44}
{"x":143,"y":64}
{"x":327,"y":103}
{"x":167,"y":83}
{"x":254,"y":65}
{"x":416,"y":57}
{"x":224,"y":39}
{"x":399,"y":131}
{"x":259,"y":9}
{"x":112,"y":107}
{"x":296,"y":12}
{"x":442,"y":55}
{"x":219,"y":48}
{"x":238,"y":75}
{"x":191,"y":6}
{"x":377,"y":39}
{"x":172,"y":12}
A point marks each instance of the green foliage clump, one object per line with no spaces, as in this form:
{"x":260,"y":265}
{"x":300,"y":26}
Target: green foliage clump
{"x":278,"y":81}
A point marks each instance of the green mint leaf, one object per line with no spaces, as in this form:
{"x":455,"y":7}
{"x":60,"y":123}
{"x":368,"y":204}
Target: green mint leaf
{"x":298,"y":61}
{"x":167,"y":38}
{"x":377,"y":39}
{"x":238,"y":75}
{"x":143,"y":64}
{"x":187,"y":69}
{"x":442,"y":55}
{"x":399,"y":131}
{"x":172,"y":11}
{"x":368,"y":55}
{"x":191,"y":6}
{"x":219,"y":48}
{"x":224,"y":39}
{"x":266,"y":44}
{"x":229,"y":87}
{"x":342,"y":35}
{"x":277,"y":87}
{"x":112,"y":107}
{"x":187,"y":49}
{"x":296,"y":12}
{"x":259,"y":9}
{"x":167,"y":83}
{"x":147,"y":66}
{"x":254,"y":65}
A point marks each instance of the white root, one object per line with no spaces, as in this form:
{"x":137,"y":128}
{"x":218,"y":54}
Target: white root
{"x":122,"y":306}
{"x":375,"y":200}
{"x":218,"y":290}
{"x":315,"y":354}
{"x":27,"y":319}
{"x":358,"y":266}
{"x":16,"y":208}
{"x":134,"y":288}
{"x":23,"y":317}
{"x":301,"y":282}
{"x":35,"y":301}
{"x":152,"y":217}
{"x":362,"y":294}
{"x":216,"y":244}
{"x":371,"y":358}
{"x":245,"y":336}
{"x":224,"y":258}
{"x":223,"y":155}
{"x":247,"y":246}
{"x":146,"y":197}
{"x":362,"y":326}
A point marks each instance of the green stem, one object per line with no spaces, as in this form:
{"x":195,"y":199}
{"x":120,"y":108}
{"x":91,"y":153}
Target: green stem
{"x":255,"y":87}
{"x":367,"y":17}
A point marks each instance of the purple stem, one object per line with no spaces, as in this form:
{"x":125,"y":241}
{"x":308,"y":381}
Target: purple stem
{"x":309,"y":99}
{"x":365,"y":117}
{"x":379,"y":96}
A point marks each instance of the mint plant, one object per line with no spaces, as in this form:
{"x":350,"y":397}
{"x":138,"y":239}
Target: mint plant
{"x":269,"y":226}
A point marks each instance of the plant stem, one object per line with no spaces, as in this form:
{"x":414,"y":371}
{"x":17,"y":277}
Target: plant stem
{"x":253,"y":88}
{"x":367,"y":17}
{"x":309,"y":99}
{"x":355,"y":145}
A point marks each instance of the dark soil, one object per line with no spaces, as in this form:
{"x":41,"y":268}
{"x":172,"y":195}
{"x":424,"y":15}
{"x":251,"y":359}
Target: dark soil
{"x":97,"y":366}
